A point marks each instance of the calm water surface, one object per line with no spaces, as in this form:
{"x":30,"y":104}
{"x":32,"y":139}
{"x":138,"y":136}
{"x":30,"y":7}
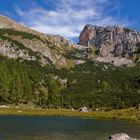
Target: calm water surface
{"x":62,"y":128}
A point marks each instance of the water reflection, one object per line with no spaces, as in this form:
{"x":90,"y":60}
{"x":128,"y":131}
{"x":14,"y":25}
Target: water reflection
{"x":62,"y":128}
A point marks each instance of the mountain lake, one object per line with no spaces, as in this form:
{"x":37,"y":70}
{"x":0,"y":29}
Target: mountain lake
{"x":62,"y":128}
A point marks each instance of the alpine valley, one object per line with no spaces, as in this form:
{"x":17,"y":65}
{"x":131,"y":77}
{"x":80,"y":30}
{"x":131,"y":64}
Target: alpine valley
{"x":101,"y":71}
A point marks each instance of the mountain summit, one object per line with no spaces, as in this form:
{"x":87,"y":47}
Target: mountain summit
{"x":111,"y":41}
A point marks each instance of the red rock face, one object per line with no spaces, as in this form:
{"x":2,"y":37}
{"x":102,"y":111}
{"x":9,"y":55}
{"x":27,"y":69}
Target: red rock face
{"x":86,"y":35}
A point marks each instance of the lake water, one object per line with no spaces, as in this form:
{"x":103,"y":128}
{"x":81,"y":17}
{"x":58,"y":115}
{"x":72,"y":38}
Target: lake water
{"x":62,"y":128}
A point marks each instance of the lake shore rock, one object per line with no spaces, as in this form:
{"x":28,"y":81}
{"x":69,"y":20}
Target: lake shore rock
{"x":120,"y":136}
{"x":83,"y":109}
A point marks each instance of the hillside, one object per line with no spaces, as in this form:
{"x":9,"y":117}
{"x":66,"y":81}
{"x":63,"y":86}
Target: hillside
{"x":49,"y":71}
{"x":32,"y":45}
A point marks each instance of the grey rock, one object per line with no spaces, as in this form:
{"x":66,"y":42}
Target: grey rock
{"x":116,"y":61}
{"x":83,"y":109}
{"x":111,"y":40}
{"x":120,"y":136}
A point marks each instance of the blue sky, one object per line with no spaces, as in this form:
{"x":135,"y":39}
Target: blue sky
{"x":68,"y":17}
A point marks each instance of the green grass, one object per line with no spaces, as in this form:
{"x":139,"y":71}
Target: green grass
{"x":130,"y":114}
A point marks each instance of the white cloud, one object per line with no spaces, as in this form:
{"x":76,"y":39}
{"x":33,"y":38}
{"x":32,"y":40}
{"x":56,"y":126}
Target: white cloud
{"x":68,"y":17}
{"x":19,"y":11}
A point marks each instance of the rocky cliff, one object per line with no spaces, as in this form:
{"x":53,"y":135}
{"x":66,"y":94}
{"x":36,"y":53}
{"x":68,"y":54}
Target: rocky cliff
{"x":111,"y":41}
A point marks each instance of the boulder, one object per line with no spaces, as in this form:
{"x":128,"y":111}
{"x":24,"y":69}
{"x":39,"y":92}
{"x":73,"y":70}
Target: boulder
{"x":120,"y":136}
{"x":83,"y":109}
{"x":138,"y":106}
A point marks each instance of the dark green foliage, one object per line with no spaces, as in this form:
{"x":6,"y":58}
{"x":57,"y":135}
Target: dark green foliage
{"x":19,"y":33}
{"x":23,"y":83}
{"x":78,"y":54}
{"x":90,"y":84}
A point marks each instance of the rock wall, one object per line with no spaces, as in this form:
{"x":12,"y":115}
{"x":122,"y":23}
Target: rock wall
{"x":111,"y":40}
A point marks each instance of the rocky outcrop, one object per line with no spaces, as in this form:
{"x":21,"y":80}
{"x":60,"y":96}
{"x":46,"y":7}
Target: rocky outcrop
{"x":87,"y":34}
{"x":113,"y":41}
{"x":16,"y":41}
{"x":117,"y":61}
{"x":11,"y":50}
{"x":120,"y":136}
{"x":83,"y":109}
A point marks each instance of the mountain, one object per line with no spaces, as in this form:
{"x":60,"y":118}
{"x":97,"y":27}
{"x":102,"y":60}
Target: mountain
{"x":32,"y":45}
{"x":50,"y":71}
{"x":112,"y":43}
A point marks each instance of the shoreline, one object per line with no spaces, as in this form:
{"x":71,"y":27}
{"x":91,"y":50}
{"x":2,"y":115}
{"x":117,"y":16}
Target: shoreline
{"x":129,"y":114}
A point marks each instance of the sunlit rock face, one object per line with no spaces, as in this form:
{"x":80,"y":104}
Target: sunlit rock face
{"x":112,"y":43}
{"x":111,"y":40}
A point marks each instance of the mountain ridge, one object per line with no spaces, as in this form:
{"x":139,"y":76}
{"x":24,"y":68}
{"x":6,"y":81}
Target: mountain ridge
{"x":48,"y":46}
{"x":112,"y":42}
{"x":49,"y":71}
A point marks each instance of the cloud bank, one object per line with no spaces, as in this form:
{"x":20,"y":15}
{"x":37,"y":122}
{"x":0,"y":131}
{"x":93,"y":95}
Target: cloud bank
{"x":68,"y":17}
